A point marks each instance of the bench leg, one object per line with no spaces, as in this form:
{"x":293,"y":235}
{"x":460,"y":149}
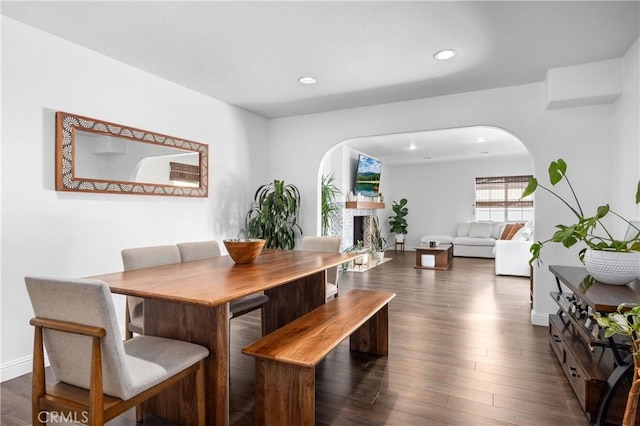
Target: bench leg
{"x":373,"y":336}
{"x":285,"y":394}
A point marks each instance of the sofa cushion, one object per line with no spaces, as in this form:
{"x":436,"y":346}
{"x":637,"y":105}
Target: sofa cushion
{"x":496,"y":229}
{"x":474,"y":241}
{"x":463,"y":229}
{"x":442,"y":239}
{"x":480,"y":230}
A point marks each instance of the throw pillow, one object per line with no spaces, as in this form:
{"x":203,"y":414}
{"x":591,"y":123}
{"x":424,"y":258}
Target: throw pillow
{"x":514,"y":230}
{"x":521,"y":233}
{"x":463,"y":229}
{"x":480,"y":230}
{"x":506,"y":231}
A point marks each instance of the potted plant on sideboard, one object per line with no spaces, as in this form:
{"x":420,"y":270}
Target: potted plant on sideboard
{"x":398,"y":223}
{"x":607,"y":259}
{"x":274,"y":215}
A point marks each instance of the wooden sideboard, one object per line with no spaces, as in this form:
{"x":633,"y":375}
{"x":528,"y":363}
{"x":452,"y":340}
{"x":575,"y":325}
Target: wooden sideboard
{"x":598,"y":369}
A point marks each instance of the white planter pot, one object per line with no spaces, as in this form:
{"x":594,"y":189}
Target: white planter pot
{"x":399,"y":238}
{"x":362,"y":260}
{"x":377,"y":256}
{"x":613,"y":268}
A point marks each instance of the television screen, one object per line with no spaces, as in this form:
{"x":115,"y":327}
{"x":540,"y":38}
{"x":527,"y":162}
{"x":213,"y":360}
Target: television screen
{"x":368,"y":176}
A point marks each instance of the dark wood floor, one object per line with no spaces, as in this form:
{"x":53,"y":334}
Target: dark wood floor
{"x":462,"y":352}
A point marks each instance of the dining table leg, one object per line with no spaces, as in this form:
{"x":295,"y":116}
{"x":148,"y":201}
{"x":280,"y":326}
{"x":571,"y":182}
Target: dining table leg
{"x":292,"y":300}
{"x":206,"y":326}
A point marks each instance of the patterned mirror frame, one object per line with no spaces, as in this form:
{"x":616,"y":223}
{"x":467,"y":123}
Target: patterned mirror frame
{"x":66,"y":125}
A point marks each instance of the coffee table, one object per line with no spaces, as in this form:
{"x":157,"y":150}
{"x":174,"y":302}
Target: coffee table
{"x":443,"y":256}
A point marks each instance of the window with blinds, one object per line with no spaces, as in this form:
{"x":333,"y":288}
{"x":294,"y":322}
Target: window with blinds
{"x":498,"y":199}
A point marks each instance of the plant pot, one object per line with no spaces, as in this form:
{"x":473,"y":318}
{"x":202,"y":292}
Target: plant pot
{"x":610,"y":267}
{"x":362,"y":260}
{"x":379,"y":255}
{"x":399,"y":238}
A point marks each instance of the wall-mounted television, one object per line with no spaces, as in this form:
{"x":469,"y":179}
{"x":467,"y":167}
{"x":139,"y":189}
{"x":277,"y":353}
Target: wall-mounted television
{"x":368,"y":176}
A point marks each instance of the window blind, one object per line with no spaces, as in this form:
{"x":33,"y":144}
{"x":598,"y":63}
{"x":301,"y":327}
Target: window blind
{"x":502,"y":191}
{"x":184,"y":172}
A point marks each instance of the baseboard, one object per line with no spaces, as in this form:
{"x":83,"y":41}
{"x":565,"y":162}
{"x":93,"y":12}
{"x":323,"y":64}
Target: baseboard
{"x":539,"y":319}
{"x":16,"y":368}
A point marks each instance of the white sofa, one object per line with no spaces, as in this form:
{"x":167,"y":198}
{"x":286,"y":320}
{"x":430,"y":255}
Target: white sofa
{"x":476,"y":239}
{"x":512,"y":257}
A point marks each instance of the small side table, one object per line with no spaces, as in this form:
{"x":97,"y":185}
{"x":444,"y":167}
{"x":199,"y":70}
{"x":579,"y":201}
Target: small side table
{"x":401,"y":244}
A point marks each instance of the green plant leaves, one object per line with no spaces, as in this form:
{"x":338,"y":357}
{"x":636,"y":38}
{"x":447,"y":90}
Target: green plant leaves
{"x":586,"y":228}
{"x":557,"y":170}
{"x":531,"y":188}
{"x":625,"y":321}
{"x":273,"y":216}
{"x":397,"y":223}
{"x":329,"y":208}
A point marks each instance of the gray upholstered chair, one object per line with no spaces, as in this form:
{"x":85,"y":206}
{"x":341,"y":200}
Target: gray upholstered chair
{"x":325,"y":244}
{"x":206,"y":249}
{"x":98,"y":375}
{"x":138,"y":258}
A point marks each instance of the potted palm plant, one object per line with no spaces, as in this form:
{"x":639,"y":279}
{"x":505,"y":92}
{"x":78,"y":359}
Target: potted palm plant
{"x":398,"y":223}
{"x":602,"y":248}
{"x":329,"y":207}
{"x":274,"y":215}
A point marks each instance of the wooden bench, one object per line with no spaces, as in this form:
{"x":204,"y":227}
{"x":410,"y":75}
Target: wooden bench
{"x":286,"y":359}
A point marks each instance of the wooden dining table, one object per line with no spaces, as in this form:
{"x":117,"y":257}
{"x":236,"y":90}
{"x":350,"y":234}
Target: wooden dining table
{"x":190,"y":301}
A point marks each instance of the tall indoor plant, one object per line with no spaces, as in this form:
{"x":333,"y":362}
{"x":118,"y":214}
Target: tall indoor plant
{"x":329,"y":206}
{"x":590,"y":230}
{"x":274,"y":215}
{"x":398,"y":223}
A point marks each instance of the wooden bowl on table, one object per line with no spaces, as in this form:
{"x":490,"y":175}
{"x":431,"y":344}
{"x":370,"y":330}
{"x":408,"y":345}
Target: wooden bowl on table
{"x":244,"y":251}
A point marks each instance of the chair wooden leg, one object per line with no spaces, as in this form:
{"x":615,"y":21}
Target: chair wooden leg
{"x":38,"y":383}
{"x":96,"y":398}
{"x":139,"y":414}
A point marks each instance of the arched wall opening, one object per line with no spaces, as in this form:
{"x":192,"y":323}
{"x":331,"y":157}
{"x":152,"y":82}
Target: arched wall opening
{"x":434,"y":170}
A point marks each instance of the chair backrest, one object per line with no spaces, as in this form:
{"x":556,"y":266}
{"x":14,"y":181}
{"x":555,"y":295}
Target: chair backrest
{"x":198,"y":250}
{"x":324,"y":244}
{"x":147,"y":257}
{"x":86,"y":302}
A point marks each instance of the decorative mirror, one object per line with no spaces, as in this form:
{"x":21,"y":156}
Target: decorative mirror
{"x":98,"y":156}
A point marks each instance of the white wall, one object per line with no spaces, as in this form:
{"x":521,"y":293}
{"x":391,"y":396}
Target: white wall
{"x":440,"y":195}
{"x":582,"y":136}
{"x":625,"y":142}
{"x":45,"y":232}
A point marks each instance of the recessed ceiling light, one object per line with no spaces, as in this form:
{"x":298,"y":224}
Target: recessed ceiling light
{"x":413,"y":146}
{"x":307,"y":80}
{"x":445,"y":54}
{"x":481,"y":139}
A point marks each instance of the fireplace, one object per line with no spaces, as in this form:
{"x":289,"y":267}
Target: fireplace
{"x":355,"y":226}
{"x":358,"y":228}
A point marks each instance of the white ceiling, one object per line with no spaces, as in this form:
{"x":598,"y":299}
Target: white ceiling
{"x":250,"y":54}
{"x":434,"y":146}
